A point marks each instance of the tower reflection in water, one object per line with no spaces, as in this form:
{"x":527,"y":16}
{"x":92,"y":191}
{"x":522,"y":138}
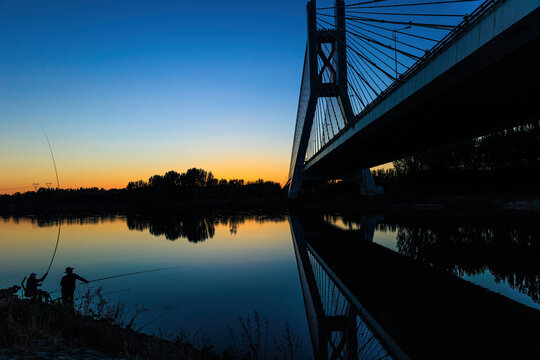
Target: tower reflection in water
{"x":340,"y":327}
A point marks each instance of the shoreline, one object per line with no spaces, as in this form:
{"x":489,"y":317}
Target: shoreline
{"x":331,"y":203}
{"x":31,"y":330}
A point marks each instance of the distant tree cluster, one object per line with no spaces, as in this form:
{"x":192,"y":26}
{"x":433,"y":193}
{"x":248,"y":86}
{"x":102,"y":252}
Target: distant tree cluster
{"x":200,"y":183}
{"x":505,"y":160}
{"x":193,"y":178}
{"x":519,"y":146}
{"x":193,"y":185}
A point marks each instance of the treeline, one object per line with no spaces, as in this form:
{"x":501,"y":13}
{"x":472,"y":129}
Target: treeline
{"x":192,"y":186}
{"x":198,"y":183}
{"x":503,"y":161}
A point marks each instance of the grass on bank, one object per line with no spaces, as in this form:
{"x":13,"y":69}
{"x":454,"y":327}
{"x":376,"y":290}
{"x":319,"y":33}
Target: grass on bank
{"x":109,"y":327}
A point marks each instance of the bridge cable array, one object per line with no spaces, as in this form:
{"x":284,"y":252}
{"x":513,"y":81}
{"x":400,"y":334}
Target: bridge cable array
{"x":385,"y":41}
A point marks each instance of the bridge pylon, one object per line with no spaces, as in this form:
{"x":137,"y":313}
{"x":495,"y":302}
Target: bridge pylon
{"x":325,"y":75}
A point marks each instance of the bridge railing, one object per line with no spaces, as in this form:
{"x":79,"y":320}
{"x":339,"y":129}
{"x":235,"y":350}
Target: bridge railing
{"x":386,"y":46}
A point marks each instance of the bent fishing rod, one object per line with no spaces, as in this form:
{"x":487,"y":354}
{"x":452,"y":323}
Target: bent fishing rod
{"x":58,"y":186}
{"x":52,"y":155}
{"x":56,"y":247}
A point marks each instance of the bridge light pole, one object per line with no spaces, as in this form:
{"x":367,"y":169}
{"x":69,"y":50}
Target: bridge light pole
{"x":394,"y":35}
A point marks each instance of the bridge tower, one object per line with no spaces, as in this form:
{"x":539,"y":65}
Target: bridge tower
{"x":324,"y":76}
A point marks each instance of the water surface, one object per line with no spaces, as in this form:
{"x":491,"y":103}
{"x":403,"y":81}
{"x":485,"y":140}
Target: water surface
{"x":227,"y":267}
{"x":230,"y":266}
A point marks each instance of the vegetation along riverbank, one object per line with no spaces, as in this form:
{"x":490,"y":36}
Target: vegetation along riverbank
{"x":100,"y":329}
{"x":501,"y":169}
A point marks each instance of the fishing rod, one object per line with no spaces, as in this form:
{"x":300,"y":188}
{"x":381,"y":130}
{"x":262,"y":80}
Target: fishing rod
{"x":127,"y":274}
{"x":54,"y":254}
{"x":52,"y":155}
{"x":135,"y":273}
{"x":56,"y":247}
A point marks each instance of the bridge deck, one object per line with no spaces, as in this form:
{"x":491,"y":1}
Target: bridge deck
{"x":486,"y":79}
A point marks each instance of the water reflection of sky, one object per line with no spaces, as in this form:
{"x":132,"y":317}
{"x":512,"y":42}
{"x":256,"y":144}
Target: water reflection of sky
{"x":226,"y":276}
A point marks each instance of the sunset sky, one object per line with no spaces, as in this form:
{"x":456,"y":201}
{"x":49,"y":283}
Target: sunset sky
{"x":128,"y":89}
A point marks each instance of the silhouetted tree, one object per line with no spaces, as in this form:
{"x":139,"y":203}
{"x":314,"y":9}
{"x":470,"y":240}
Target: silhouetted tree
{"x":172,"y":179}
{"x":194,"y":178}
{"x":139,"y":184}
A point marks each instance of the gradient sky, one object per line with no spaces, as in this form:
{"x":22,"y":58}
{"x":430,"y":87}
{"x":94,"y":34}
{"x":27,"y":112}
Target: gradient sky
{"x":128,"y":89}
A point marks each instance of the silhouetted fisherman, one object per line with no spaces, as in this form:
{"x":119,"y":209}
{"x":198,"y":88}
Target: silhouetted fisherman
{"x":31,"y":289}
{"x":68,"y":286}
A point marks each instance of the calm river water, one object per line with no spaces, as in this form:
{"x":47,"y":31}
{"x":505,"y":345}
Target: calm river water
{"x":226,"y":267}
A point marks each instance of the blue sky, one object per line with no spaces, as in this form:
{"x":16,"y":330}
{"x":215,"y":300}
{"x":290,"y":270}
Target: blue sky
{"x":127,"y":89}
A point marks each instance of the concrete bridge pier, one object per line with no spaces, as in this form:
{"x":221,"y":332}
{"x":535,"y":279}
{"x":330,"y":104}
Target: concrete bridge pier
{"x":367,"y":184}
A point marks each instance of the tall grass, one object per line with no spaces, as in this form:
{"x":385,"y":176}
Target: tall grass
{"x":97,"y":323}
{"x":250,"y":342}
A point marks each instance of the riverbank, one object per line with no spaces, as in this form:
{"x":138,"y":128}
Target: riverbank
{"x":319,"y":202}
{"x":31,"y":330}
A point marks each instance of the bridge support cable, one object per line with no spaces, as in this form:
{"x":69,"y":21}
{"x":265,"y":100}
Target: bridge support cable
{"x":330,"y":97}
{"x":356,"y":54}
{"x":388,"y":37}
{"x":397,"y":65}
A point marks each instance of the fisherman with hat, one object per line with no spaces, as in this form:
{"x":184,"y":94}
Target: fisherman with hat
{"x":68,"y":286}
{"x":31,"y":289}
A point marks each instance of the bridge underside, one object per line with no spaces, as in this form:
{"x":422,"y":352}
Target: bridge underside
{"x":496,"y":87}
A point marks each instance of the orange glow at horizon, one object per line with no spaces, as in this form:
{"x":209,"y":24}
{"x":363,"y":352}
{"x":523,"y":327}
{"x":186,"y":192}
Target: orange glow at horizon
{"x":248,"y":169}
{"x":111,"y":178}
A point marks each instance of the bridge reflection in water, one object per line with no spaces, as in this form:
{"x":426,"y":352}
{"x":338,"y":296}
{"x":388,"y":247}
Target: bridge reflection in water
{"x":340,"y":327}
{"x":364,"y":301}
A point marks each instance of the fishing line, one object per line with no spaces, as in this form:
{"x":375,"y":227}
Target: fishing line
{"x":169,"y":308}
{"x":116,"y":292}
{"x":52,"y":155}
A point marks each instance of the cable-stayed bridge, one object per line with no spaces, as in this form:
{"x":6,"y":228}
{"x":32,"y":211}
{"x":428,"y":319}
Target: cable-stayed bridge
{"x":385,"y":78}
